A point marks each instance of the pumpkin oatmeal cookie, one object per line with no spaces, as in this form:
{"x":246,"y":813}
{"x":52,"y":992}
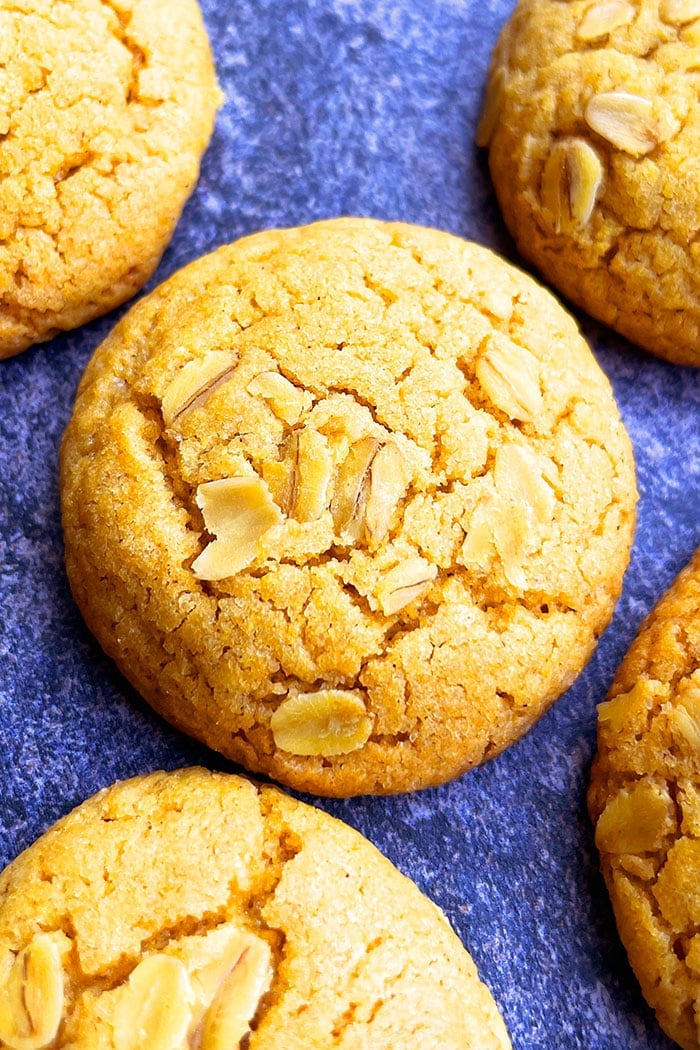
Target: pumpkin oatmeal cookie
{"x":195,"y":909}
{"x":350,"y":503}
{"x":644,"y":799}
{"x":592,"y":122}
{"x":106,"y":107}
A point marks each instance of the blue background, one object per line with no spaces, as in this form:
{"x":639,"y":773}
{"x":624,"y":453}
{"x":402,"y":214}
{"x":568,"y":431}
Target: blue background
{"x":363,"y":107}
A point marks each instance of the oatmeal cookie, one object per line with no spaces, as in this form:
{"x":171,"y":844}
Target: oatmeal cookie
{"x":592,"y":122}
{"x":644,"y":799}
{"x":106,"y":107}
{"x":350,"y":503}
{"x":195,"y":909}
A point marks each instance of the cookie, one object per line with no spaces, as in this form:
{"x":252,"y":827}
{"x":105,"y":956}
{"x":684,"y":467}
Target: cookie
{"x":105,"y":111}
{"x":197,"y":909}
{"x":644,"y":799}
{"x":592,"y":122}
{"x":349,"y":503}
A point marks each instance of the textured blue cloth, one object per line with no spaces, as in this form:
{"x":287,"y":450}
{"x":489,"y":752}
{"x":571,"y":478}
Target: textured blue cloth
{"x":363,"y":107}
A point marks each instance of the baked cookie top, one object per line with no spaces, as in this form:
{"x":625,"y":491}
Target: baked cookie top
{"x":592,"y":121}
{"x":106,"y":107}
{"x":197,"y":909}
{"x":644,"y":799}
{"x":350,"y":503}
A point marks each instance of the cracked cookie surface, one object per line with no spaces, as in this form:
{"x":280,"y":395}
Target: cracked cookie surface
{"x":644,"y":799}
{"x":106,"y":107}
{"x":197,"y":909}
{"x":592,"y":121}
{"x":350,"y":503}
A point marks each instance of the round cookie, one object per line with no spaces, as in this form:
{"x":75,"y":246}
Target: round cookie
{"x":198,"y":909}
{"x":349,"y":503}
{"x":105,"y":111}
{"x":644,"y":799}
{"x":592,"y":121}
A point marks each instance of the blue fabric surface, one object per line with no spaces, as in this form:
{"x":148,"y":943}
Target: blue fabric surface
{"x":361,"y":107}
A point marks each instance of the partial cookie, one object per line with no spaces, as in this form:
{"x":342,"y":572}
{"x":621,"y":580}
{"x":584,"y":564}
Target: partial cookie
{"x":592,"y":121}
{"x":195,"y":909}
{"x":350,"y":503}
{"x":105,"y":111}
{"x":644,"y":799}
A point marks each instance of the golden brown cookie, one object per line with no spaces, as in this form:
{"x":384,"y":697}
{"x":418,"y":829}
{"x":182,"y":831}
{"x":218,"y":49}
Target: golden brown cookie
{"x":196,"y":909}
{"x":105,"y":111}
{"x":350,"y":503}
{"x":592,"y":121}
{"x":644,"y":799}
